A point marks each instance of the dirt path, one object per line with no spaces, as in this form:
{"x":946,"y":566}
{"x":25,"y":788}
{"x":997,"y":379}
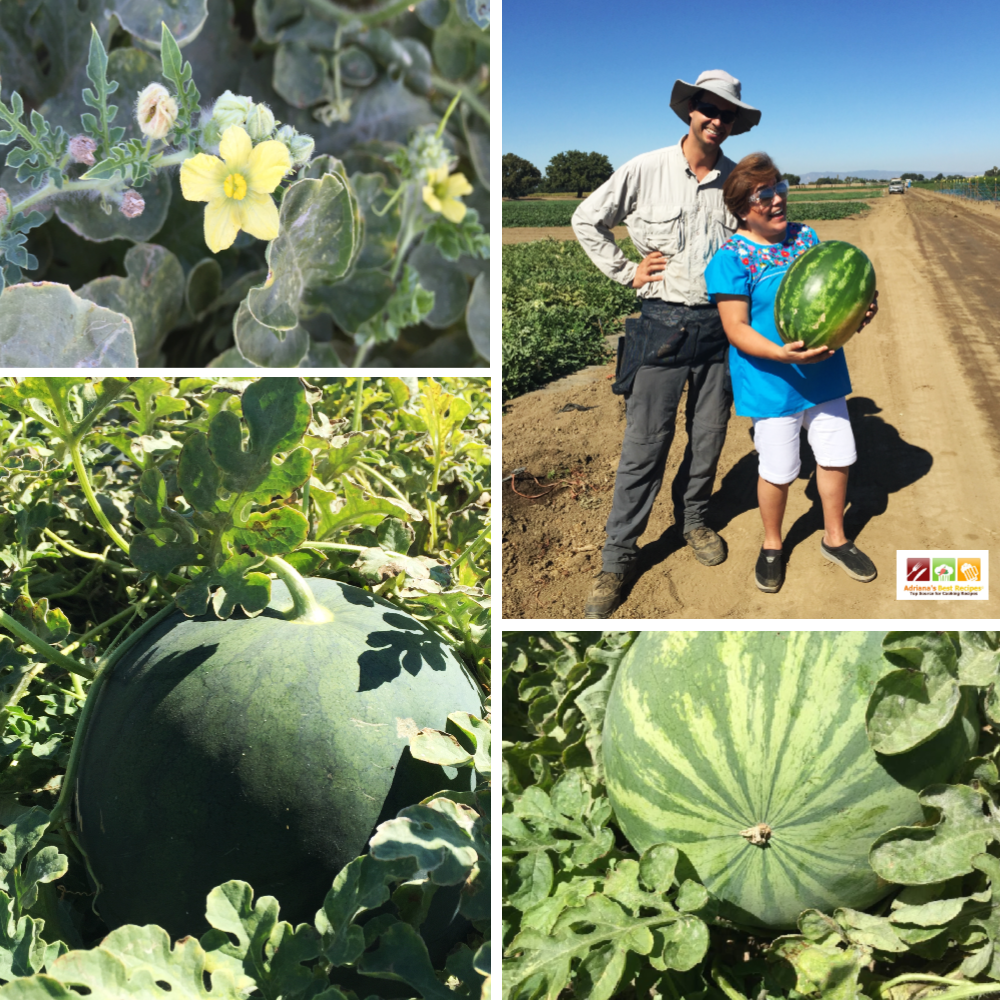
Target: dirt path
{"x":926,"y":414}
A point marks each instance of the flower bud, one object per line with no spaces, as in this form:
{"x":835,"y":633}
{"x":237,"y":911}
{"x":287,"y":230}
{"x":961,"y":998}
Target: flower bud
{"x":301,"y":149}
{"x":231,"y":109}
{"x":82,"y":149}
{"x":156,"y":111}
{"x":132,"y":204}
{"x":260,"y":122}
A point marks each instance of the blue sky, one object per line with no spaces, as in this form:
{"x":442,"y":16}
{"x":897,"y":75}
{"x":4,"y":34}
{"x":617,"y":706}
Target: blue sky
{"x":843,"y":86}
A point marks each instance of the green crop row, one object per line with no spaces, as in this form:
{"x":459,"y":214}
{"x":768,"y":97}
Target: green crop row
{"x":538,"y":213}
{"x":557,"y":308}
{"x":835,"y":195}
{"x":825,"y":211}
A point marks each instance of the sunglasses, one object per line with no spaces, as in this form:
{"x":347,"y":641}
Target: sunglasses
{"x":766,"y":195}
{"x":711,"y":111}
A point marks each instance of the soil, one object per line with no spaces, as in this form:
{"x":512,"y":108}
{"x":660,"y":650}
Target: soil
{"x":926,"y":416}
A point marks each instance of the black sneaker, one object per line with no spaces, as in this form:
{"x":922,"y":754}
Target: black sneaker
{"x":707,"y":546}
{"x":851,"y":560}
{"x":770,"y":571}
{"x":607,"y":592}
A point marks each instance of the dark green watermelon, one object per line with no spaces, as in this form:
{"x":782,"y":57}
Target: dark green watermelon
{"x":824,"y":295}
{"x":258,"y":749}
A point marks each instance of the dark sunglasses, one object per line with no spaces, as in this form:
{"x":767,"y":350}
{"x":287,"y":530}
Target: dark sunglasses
{"x":766,"y":195}
{"x":711,"y":111}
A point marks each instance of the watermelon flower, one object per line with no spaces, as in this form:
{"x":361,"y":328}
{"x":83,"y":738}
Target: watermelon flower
{"x":442,"y":193}
{"x":237,"y":187}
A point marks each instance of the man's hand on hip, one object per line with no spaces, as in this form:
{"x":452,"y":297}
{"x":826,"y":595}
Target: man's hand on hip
{"x":650,"y":268}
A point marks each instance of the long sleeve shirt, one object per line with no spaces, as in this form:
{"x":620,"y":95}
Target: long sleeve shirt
{"x":665,"y":208}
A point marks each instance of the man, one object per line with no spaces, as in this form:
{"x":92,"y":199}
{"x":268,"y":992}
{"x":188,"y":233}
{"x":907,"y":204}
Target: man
{"x":671,"y":201}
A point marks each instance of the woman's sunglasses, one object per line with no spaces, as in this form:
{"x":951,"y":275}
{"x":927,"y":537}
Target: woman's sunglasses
{"x":766,"y":195}
{"x":711,"y":111}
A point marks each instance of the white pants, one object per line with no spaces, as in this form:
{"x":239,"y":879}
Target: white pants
{"x":830,"y":437}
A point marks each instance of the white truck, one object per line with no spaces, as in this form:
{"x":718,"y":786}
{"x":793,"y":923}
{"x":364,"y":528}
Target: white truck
{"x":896,"y":186}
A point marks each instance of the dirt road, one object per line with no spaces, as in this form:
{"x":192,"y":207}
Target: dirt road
{"x":926,"y":415}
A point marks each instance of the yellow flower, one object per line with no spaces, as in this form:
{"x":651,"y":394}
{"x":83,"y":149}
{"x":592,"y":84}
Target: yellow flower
{"x":443,"y":192}
{"x":237,"y":188}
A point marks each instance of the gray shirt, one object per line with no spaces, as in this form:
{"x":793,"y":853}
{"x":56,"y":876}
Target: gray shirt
{"x":665,"y":208}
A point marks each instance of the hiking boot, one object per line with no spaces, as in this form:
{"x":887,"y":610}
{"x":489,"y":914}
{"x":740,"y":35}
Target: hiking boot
{"x":707,"y":546}
{"x":851,"y":560}
{"x":769,"y":572}
{"x":607,"y":592}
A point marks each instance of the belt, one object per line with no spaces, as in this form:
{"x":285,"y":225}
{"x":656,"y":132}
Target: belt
{"x":701,"y":305}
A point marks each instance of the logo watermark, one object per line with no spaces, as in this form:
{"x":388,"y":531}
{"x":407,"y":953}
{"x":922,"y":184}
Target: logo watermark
{"x":940,"y":574}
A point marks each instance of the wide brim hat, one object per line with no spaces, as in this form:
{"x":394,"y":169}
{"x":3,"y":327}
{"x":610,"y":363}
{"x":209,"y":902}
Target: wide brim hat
{"x":720,"y":83}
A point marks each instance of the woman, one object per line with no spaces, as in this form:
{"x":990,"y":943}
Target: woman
{"x":783,"y":387}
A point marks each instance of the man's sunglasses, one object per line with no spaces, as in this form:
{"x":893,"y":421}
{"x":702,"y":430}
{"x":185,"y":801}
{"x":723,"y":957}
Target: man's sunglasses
{"x":766,"y":195}
{"x":711,"y":111}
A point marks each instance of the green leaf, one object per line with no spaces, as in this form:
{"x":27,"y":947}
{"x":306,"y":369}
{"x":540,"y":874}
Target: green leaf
{"x":97,"y":72}
{"x":457,"y":239}
{"x":152,"y":296}
{"x":300,"y":75}
{"x":274,"y":532}
{"x":317,"y":241}
{"x":336,"y":512}
{"x":49,"y":626}
{"x":441,"y":845}
{"x":979,"y":659}
{"x":402,"y":955}
{"x":956,"y":830}
{"x":22,"y":950}
{"x":436,"y":747}
{"x":409,"y":303}
{"x":360,"y":885}
{"x":908,"y":708}
{"x":477,"y":315}
{"x":445,"y":280}
{"x":179,"y":18}
{"x":822,"y":969}
{"x":477,"y":734}
{"x":204,"y":285}
{"x":197,"y":475}
{"x":277,"y":414}
{"x":102,"y":221}
{"x":45,"y":325}
{"x":267,"y":348}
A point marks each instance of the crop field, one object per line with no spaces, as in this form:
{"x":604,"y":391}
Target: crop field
{"x":247,"y":633}
{"x":800,"y":211}
{"x":541,"y":214}
{"x":708,"y":815}
{"x":557,"y":309}
{"x":845,"y":193}
{"x":538,"y":213}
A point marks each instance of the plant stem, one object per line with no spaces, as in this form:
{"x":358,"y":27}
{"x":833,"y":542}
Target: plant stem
{"x":470,"y":549}
{"x":61,"y":811}
{"x":88,"y":492}
{"x":87,"y":636}
{"x":362,"y":353}
{"x":39,"y":646}
{"x":333,"y":546}
{"x":395,"y":490}
{"x":960,"y":989}
{"x":69,"y":187}
{"x":359,"y":392}
{"x":447,"y":87}
{"x":305,"y":607}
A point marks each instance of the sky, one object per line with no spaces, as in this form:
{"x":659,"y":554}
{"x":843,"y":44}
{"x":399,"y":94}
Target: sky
{"x":843,"y":86}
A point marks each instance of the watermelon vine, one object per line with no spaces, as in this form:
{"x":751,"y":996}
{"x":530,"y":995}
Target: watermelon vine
{"x":587,"y":914}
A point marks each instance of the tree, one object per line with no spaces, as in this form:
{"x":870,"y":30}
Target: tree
{"x":576,"y":171}
{"x":995,"y":172}
{"x":940,"y":177}
{"x":793,"y":179}
{"x":912,"y":177}
{"x":520,"y":177}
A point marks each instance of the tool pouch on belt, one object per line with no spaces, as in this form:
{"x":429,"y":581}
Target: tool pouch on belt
{"x":646,"y":342}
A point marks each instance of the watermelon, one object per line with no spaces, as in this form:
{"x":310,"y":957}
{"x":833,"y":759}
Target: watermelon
{"x":259,"y":749}
{"x":824,"y":295}
{"x":748,"y":753}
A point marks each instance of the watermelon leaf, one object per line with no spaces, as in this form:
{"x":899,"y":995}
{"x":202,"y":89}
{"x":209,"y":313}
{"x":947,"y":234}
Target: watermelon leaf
{"x":957,"y":830}
{"x":907,"y":708}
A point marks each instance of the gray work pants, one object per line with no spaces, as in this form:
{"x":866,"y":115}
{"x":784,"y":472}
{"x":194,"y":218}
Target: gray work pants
{"x":651,"y":412}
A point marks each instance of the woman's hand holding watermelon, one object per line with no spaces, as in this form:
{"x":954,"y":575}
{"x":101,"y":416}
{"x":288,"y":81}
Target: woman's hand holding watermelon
{"x":796,"y":353}
{"x":870,"y":315}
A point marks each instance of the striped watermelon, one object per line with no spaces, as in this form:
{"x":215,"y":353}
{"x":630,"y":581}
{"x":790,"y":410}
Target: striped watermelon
{"x":824,"y":295}
{"x":748,"y":752}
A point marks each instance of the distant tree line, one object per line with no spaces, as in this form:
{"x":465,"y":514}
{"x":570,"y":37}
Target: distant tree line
{"x":570,"y":171}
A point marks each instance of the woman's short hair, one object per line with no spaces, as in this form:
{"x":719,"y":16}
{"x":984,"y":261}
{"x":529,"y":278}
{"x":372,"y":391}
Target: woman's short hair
{"x":754,"y":169}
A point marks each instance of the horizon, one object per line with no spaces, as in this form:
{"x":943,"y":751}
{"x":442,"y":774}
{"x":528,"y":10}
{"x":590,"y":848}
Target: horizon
{"x":881,"y":86}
